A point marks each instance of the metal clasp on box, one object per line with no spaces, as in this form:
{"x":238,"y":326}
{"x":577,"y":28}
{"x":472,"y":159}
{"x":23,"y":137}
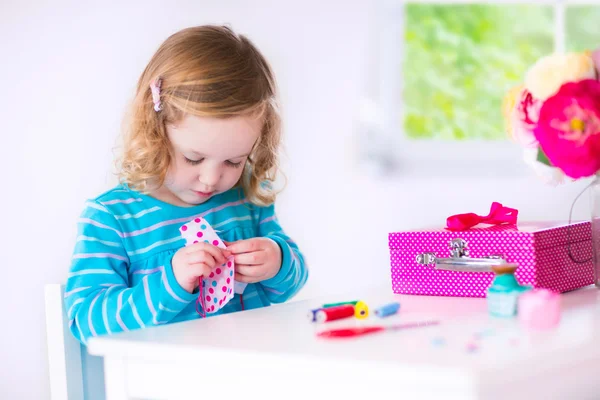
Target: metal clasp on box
{"x":459,"y":259}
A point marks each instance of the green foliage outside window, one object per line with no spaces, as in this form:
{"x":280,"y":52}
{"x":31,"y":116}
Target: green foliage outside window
{"x":461,"y":59}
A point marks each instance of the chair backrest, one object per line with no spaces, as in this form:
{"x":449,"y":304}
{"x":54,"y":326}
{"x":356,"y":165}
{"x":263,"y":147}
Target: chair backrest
{"x":74,"y":373}
{"x":64,"y":351}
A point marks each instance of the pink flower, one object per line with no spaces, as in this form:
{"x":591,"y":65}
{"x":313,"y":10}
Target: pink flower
{"x":524,"y":119}
{"x":568,"y":129}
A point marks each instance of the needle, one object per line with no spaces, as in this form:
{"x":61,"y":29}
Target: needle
{"x":351,"y":332}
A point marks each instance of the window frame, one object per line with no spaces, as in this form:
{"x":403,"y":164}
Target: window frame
{"x":386,"y":145}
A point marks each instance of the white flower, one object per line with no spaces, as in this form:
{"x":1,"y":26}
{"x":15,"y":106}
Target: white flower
{"x":549,"y":73}
{"x":549,"y":175}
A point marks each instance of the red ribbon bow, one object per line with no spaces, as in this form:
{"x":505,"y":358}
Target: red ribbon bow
{"x":498,"y":215}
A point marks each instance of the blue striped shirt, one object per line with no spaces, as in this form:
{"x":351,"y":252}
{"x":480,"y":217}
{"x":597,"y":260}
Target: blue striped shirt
{"x":121,"y":276}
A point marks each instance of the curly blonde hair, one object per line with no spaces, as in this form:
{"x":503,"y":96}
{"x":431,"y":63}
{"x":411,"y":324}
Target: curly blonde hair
{"x":207,"y":71}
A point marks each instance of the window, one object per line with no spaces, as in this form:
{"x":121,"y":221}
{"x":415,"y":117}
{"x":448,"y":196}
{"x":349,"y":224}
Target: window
{"x":582,"y":27}
{"x":444,"y":69}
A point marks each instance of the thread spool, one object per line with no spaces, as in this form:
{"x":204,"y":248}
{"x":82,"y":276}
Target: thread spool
{"x":334,"y":313}
{"x":539,"y":309}
{"x":387,"y":310}
{"x":361,"y":310}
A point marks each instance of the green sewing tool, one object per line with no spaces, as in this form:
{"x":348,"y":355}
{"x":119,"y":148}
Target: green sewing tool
{"x":343,"y":303}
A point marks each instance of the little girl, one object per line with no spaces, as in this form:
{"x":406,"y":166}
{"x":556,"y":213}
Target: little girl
{"x":201,"y":146}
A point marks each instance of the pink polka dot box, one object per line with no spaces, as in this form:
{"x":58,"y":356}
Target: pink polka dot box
{"x":440,"y":262}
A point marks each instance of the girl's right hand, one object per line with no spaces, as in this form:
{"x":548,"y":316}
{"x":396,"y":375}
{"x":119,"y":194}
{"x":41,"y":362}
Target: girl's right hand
{"x":199,"y":259}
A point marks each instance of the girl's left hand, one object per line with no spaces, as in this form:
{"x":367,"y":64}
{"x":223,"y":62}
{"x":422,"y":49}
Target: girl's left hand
{"x":256,"y":259}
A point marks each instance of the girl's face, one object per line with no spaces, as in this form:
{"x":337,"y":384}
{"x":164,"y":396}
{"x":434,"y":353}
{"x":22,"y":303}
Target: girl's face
{"x":209,"y":155}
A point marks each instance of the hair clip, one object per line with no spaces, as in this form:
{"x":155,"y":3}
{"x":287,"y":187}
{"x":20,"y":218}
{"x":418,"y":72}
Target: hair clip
{"x":155,"y":88}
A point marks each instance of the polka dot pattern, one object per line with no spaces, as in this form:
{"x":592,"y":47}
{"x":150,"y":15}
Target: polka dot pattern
{"x":540,"y":250}
{"x":220,"y":285}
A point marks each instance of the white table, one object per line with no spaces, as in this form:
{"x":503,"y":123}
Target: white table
{"x":274,"y":353}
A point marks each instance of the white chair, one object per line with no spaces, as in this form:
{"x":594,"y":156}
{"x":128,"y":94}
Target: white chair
{"x":74,"y":374}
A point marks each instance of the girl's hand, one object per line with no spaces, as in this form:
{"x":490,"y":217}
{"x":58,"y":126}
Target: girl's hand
{"x":256,"y":259}
{"x":194,"y":261}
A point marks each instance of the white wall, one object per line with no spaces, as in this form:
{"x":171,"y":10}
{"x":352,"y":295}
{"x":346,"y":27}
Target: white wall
{"x":67,"y":71}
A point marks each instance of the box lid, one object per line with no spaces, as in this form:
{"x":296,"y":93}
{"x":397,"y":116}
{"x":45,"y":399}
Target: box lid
{"x":544,"y":234}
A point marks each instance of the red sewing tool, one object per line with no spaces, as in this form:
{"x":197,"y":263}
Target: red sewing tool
{"x":334,"y":313}
{"x":359,"y":331}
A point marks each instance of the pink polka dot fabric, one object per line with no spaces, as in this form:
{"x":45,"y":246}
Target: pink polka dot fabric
{"x":539,"y":248}
{"x":219,"y":285}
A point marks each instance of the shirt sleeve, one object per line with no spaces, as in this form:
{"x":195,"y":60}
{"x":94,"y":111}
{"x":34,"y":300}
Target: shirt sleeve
{"x":293,"y":273}
{"x":99,"y":298}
